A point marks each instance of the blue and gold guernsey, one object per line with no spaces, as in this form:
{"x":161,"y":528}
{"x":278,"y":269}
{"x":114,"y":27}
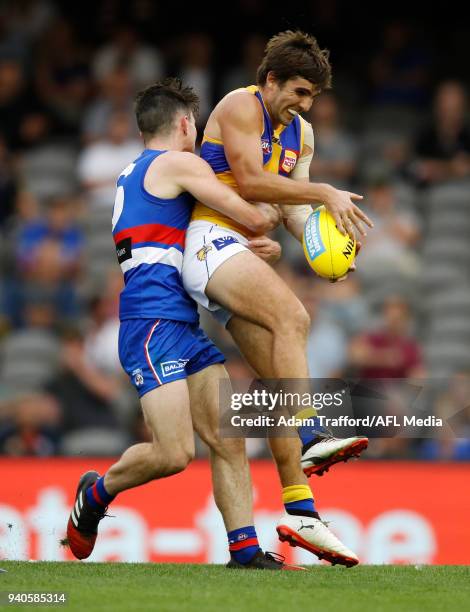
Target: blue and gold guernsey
{"x":281,"y":149}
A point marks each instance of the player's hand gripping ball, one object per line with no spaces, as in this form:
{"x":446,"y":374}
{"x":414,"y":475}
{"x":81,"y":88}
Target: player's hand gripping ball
{"x":328,"y":252}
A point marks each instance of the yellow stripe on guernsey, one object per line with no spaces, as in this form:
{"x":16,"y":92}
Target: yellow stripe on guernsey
{"x":306,"y":413}
{"x":296,"y":493}
{"x":281,"y":148}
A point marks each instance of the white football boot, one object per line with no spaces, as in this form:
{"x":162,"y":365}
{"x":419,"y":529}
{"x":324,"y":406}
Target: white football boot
{"x":313,"y":535}
{"x":318,"y":457}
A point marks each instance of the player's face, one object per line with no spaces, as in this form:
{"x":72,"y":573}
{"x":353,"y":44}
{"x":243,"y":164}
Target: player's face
{"x":291,"y":98}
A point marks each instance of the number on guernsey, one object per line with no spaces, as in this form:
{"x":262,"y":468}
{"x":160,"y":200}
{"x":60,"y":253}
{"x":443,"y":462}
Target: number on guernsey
{"x":119,"y":199}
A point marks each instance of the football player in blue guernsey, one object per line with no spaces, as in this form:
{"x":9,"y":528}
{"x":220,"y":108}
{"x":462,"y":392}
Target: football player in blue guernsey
{"x":173,"y":365}
{"x":259,"y":145}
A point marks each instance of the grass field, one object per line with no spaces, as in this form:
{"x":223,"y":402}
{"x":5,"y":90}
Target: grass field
{"x":210,"y":588}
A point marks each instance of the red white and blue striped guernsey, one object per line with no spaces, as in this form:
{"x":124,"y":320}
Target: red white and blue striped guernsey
{"x":149,"y":234}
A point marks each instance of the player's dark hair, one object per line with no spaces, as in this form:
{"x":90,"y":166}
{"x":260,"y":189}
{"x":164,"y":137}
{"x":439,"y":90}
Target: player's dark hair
{"x":156,"y":106}
{"x":295,"y":54}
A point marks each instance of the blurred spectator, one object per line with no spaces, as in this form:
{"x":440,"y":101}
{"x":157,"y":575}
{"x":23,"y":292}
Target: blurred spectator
{"x":390,"y":351}
{"x":453,"y":407}
{"x":100,"y":163}
{"x":29,"y":355}
{"x":453,"y":404}
{"x":58,"y":224}
{"x":244,"y":74}
{"x":101,"y":338}
{"x":62,"y":79}
{"x":389,"y":248}
{"x":443,"y":147}
{"x":23,"y":209}
{"x":49,"y":170}
{"x":45,"y":280}
{"x":115,"y":94}
{"x":335,"y":155}
{"x":23,"y":22}
{"x":26,"y":207}
{"x":344,"y":302}
{"x":196,"y":68}
{"x":144,"y":63}
{"x":84,"y":392}
{"x":32,"y":428}
{"x":7,"y":183}
{"x":399,"y":71}
{"x":23,"y":121}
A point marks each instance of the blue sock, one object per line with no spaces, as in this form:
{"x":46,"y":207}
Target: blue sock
{"x":97,"y":495}
{"x":300,"y":507}
{"x":243,"y":544}
{"x":307,"y":433}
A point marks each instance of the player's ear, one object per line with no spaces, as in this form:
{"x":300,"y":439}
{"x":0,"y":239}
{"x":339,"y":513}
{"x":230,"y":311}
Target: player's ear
{"x":271,"y":78}
{"x":185,"y":124}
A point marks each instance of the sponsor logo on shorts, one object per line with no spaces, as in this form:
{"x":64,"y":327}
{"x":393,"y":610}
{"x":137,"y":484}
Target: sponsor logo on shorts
{"x":313,"y":241}
{"x":124,"y":250}
{"x":221,"y":243}
{"x":202,"y":253}
{"x":138,"y":377}
{"x":173,"y":367}
{"x":289,"y":161}
{"x":266,"y":146}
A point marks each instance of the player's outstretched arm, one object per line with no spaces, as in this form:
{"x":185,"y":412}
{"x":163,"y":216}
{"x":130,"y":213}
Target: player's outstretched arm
{"x":198,"y":178}
{"x":240,"y":123}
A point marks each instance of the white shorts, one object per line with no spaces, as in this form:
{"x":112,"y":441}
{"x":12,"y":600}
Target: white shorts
{"x":207,"y":247}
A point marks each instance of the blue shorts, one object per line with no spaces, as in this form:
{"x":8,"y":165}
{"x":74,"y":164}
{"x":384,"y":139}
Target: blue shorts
{"x":155,"y":352}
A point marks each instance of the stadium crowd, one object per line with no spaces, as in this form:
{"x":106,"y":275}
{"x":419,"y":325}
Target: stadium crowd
{"x":67,"y":129}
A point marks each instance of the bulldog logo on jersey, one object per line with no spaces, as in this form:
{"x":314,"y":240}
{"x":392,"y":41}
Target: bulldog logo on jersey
{"x":138,"y":377}
{"x":289,"y":160}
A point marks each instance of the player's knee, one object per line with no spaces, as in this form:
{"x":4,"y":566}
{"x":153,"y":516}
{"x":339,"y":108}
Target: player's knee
{"x":223,"y":447}
{"x":211,"y":438}
{"x":276,"y":318}
{"x":178,"y":458}
{"x":179,"y":461}
{"x":301,"y":320}
{"x":297,"y":323}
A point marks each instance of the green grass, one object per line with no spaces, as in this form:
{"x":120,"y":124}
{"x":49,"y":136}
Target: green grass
{"x":208,"y":588}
